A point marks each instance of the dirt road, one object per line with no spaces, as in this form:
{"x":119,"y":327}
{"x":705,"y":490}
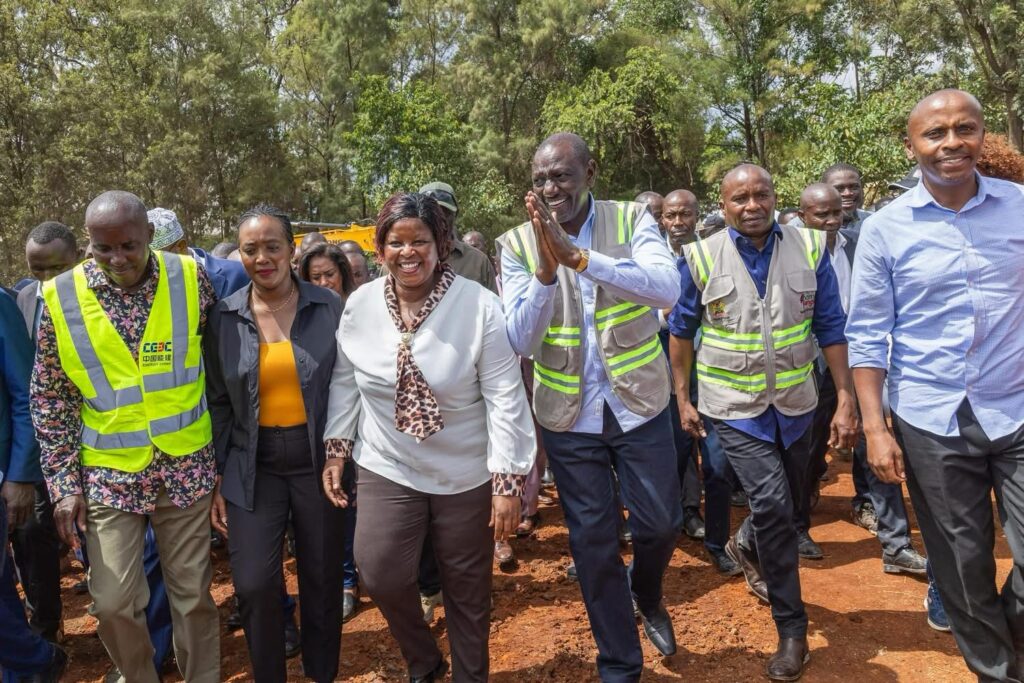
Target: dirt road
{"x":864,"y":625}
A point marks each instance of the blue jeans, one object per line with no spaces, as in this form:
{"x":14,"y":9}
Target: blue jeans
{"x":22,"y":652}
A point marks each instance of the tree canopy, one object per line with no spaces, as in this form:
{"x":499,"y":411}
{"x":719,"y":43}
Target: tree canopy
{"x":326,"y":106}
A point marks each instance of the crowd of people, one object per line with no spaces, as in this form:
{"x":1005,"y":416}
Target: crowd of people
{"x":390,"y":423}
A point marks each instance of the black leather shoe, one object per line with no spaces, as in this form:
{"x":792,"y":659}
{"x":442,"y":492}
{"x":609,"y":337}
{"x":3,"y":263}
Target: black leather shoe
{"x":693,"y":526}
{"x":349,"y":603}
{"x":787,"y":664}
{"x":658,"y":627}
{"x":724,"y":564}
{"x":234,"y":620}
{"x":436,"y":675}
{"x":749,"y":567}
{"x":738,"y":499}
{"x":807,"y":548}
{"x":292,"y":638}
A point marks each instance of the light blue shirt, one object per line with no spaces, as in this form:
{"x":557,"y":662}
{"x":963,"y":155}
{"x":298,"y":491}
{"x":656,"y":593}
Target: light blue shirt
{"x":648,"y":278}
{"x":949,"y":287}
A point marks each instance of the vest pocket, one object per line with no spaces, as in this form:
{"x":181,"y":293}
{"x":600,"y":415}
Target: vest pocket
{"x":804,"y":284}
{"x":554,"y":357}
{"x":634,"y":332}
{"x":717,"y":287}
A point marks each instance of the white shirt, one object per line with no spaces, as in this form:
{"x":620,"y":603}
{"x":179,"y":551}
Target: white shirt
{"x":463,"y":351}
{"x":648,"y":278}
{"x":843,"y":269}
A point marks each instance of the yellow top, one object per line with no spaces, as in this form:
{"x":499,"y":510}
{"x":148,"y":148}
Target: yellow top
{"x":281,"y":402}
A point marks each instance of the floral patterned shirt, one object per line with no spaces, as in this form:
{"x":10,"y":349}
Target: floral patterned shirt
{"x":56,"y":410}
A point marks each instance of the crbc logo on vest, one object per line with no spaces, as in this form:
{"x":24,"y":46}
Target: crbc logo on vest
{"x":156,"y":352}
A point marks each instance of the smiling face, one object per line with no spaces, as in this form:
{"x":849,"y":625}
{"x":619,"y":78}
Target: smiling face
{"x":266,"y":251}
{"x":120,"y":237}
{"x":410,"y":253}
{"x":563,"y":180}
{"x":851,"y":192}
{"x":945,"y":134}
{"x":748,"y":201}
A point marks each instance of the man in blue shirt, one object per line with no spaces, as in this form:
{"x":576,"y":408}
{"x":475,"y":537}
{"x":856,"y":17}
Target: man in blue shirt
{"x":759,"y":281}
{"x":941,"y":271}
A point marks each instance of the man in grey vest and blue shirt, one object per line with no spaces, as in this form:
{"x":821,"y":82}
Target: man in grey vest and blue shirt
{"x":761,"y":294}
{"x":582,"y":283}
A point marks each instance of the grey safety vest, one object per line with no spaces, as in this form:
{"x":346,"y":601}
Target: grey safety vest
{"x":756,"y":352}
{"x":627,"y":332}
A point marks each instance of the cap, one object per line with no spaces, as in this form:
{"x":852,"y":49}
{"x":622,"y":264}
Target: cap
{"x":166,"y":228}
{"x":443,"y":194}
{"x":907,"y":182}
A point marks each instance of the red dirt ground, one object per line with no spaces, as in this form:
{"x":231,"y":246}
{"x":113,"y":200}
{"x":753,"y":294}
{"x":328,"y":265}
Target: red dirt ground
{"x":864,"y":625}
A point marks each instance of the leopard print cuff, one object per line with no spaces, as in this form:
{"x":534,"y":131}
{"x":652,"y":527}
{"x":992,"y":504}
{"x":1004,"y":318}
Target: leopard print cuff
{"x":507,"y":484}
{"x":339,"y":448}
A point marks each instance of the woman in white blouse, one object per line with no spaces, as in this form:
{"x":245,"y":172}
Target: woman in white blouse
{"x":427,"y":398}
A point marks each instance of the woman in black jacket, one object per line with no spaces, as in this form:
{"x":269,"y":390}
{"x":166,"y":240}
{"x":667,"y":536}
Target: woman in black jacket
{"x":269,"y":351}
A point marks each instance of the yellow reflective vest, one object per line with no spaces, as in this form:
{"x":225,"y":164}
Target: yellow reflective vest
{"x":131,"y":406}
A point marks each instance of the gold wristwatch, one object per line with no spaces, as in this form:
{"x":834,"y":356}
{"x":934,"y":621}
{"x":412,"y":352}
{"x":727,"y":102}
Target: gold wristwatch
{"x":584,"y":260}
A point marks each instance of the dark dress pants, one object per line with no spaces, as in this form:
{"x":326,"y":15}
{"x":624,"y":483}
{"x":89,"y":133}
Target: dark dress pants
{"x":22,"y":652}
{"x":686,"y":458}
{"x":585,"y":467}
{"x":819,"y":435}
{"x":393,"y":521}
{"x":770,"y":473}
{"x":37,"y":557}
{"x":718,"y":486}
{"x":287,"y":483}
{"x":951,"y":480}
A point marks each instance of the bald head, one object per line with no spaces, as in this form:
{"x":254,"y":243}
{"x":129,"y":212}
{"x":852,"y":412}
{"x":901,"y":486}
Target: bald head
{"x":569,"y":141}
{"x":680,"y":217}
{"x":123,"y":205}
{"x":945,"y":134}
{"x":748,"y":202}
{"x":944,"y":99}
{"x":821,"y":207}
{"x":655,"y":204}
{"x":562,"y":174}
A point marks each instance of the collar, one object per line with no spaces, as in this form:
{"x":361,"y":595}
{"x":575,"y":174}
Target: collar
{"x":458,"y":246}
{"x":736,"y":236}
{"x":95,"y":278}
{"x":309,"y":294}
{"x":920,"y":197}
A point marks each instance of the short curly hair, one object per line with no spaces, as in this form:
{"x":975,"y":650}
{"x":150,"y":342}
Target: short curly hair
{"x":413,"y":205}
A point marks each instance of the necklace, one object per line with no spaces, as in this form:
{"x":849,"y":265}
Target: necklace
{"x":271,"y":308}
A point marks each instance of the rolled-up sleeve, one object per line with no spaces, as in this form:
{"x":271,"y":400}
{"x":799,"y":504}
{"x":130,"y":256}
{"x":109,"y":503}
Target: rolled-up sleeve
{"x":648,"y":278}
{"x":872,"y":306}
{"x":529,"y":305}
{"x":512,"y":440}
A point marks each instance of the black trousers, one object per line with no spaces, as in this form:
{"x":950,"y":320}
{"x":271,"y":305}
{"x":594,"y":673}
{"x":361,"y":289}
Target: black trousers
{"x":770,"y":474}
{"x":287,"y":484}
{"x":392,"y":523}
{"x":951,"y":480}
{"x":37,"y":557}
{"x":585,"y":467}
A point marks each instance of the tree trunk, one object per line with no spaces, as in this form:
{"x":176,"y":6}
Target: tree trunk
{"x":1014,"y":124}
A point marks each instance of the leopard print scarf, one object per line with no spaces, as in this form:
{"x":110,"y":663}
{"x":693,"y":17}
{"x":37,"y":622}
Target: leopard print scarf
{"x":416,"y":410}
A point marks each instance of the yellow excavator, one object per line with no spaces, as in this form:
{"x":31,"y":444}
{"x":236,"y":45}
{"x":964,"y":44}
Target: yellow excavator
{"x":360,"y":232}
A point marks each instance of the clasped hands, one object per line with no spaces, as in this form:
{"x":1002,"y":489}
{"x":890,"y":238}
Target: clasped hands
{"x":554,"y":248}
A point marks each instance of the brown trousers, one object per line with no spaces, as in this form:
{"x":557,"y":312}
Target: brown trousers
{"x":392,"y":524}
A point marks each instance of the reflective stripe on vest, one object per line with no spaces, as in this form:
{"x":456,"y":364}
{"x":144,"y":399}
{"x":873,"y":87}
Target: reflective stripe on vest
{"x":755,"y":383}
{"x":631,"y":360}
{"x":120,"y":427}
{"x":735,"y":341}
{"x":562,"y":336}
{"x":567,"y":384}
{"x":618,"y":314}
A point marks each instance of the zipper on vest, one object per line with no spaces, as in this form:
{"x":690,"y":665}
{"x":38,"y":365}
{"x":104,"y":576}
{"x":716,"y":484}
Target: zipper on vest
{"x":769,"y":349}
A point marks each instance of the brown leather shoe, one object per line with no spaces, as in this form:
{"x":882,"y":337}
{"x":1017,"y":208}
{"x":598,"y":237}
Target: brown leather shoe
{"x":503,"y":555}
{"x":787,"y":664}
{"x":528,"y":526}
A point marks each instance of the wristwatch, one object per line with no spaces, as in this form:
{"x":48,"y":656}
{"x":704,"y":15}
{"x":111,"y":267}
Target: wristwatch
{"x":584,"y":260}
